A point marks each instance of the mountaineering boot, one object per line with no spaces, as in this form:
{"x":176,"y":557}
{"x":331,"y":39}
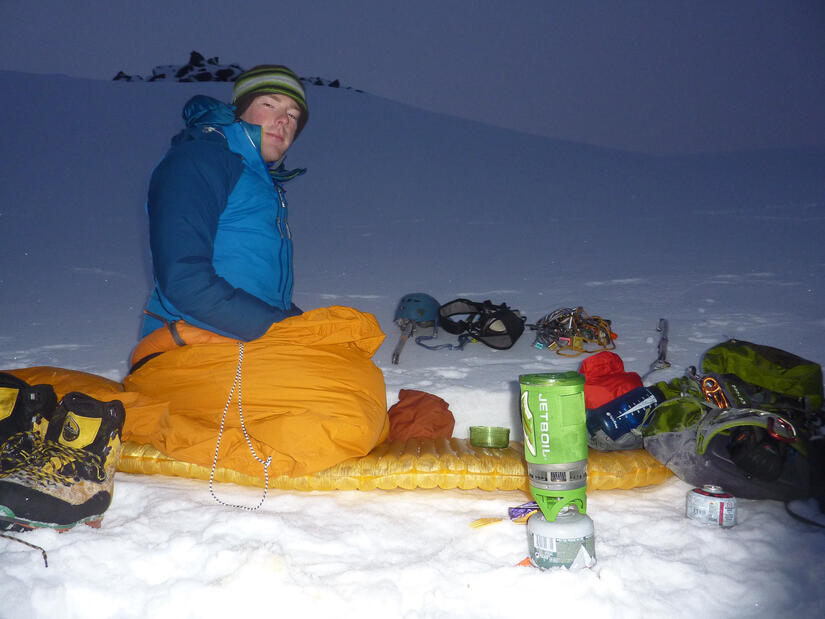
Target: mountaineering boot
{"x":70,"y":476}
{"x":25,"y":411}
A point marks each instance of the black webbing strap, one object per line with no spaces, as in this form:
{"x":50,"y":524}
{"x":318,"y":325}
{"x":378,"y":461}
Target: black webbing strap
{"x":173,"y":330}
{"x":172,"y":326}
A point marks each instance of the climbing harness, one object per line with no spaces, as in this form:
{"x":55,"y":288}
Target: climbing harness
{"x":572,"y":332}
{"x":496,"y":326}
{"x":266,"y":463}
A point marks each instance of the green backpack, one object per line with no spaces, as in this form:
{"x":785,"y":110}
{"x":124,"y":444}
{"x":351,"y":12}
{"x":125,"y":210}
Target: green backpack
{"x":789,"y":379}
{"x":746,"y":421}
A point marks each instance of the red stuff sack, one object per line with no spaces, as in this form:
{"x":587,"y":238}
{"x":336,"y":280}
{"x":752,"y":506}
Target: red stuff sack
{"x":605,"y":379}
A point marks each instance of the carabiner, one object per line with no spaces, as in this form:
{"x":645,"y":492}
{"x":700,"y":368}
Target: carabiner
{"x":713,"y":393}
{"x":786,"y":432}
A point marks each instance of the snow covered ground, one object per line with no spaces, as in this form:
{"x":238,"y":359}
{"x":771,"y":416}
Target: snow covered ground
{"x":400,"y":200}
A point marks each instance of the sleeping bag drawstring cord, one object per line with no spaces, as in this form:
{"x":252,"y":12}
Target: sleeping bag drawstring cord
{"x":266,"y":463}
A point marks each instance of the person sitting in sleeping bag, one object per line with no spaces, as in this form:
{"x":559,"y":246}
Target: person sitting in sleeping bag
{"x":305,"y":394}
{"x":219,"y":237}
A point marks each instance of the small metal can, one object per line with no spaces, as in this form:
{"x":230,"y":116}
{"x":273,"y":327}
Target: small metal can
{"x":711,"y":504}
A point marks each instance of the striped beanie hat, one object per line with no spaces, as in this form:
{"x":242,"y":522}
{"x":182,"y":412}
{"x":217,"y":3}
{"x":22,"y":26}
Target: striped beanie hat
{"x":269,"y":79}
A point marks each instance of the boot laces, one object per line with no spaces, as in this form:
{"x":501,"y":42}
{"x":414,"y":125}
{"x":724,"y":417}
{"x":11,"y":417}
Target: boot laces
{"x":17,"y":450}
{"x":56,"y":463}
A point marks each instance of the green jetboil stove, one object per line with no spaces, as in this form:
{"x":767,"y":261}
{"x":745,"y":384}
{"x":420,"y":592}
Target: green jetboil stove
{"x":555,"y":440}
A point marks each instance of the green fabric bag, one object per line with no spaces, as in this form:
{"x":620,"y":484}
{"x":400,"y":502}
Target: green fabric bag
{"x":676,"y":414}
{"x":751,"y":376}
{"x":770,"y":368}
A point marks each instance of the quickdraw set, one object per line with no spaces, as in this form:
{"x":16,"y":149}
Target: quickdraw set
{"x":573,"y":332}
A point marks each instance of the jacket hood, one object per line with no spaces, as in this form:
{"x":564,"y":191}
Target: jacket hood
{"x":200,"y":112}
{"x":204,"y":111}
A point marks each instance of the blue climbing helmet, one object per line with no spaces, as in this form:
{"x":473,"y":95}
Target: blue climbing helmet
{"x":418,"y":308}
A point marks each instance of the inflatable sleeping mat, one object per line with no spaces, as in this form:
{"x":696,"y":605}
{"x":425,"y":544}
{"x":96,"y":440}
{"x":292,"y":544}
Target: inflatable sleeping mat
{"x":414,"y":463}
{"x":329,"y":432}
{"x":417,"y":463}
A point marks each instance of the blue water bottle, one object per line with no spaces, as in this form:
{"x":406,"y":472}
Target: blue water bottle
{"x":623,"y":414}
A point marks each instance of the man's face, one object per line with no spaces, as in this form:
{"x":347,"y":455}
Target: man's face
{"x":278,"y":116}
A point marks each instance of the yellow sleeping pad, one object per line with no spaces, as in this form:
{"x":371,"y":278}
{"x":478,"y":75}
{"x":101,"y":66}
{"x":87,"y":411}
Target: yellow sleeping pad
{"x":417,"y":463}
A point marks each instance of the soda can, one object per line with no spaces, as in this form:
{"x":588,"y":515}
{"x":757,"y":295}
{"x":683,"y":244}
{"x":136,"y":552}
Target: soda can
{"x":712,"y":505}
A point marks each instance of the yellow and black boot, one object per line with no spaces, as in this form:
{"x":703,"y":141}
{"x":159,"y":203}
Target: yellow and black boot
{"x":25,"y":411}
{"x":70,"y":477}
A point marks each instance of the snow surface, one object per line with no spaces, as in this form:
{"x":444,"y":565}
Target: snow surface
{"x":400,"y":200}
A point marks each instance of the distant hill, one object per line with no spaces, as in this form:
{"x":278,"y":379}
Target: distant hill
{"x":202,"y":69}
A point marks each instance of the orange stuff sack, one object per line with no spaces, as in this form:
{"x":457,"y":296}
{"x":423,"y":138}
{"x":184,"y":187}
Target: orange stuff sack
{"x":605,"y":379}
{"x":419,"y":414}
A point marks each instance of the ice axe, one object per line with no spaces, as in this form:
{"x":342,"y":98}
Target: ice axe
{"x":661,"y":362}
{"x":407,"y":330}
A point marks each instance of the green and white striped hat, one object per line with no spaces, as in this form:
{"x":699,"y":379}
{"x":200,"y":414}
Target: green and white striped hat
{"x":269,"y":79}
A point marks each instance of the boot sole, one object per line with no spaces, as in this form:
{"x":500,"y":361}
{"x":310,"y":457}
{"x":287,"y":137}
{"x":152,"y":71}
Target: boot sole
{"x":10,"y":522}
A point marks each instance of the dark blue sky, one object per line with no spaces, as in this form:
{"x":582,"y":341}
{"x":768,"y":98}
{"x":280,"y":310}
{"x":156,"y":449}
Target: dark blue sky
{"x":659,"y":76}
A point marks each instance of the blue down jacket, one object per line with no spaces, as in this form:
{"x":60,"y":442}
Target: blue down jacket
{"x":221,"y":245}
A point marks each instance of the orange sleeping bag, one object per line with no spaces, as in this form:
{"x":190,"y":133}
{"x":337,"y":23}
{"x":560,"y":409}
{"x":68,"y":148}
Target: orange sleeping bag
{"x":311,"y":396}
